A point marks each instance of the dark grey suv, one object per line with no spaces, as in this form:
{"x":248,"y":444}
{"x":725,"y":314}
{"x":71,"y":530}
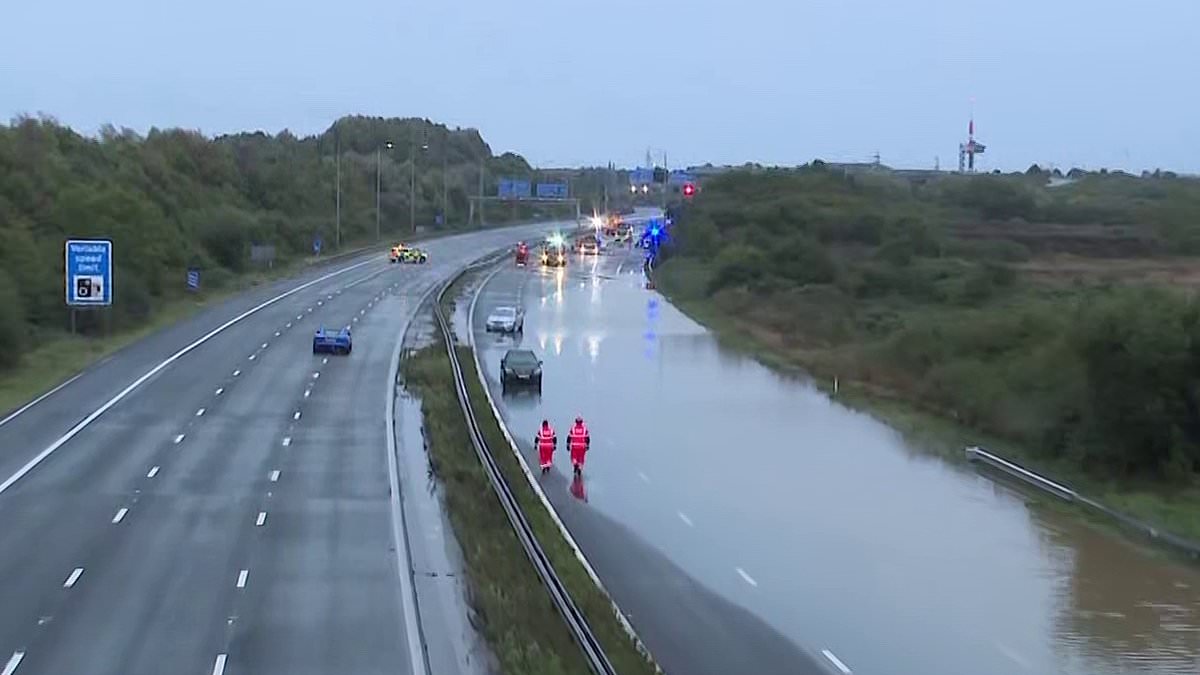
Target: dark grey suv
{"x":520,"y":367}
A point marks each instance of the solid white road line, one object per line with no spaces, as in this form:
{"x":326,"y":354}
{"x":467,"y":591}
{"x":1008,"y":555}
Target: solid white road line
{"x":241,"y":582}
{"x":95,"y":414}
{"x":37,"y":400}
{"x":73,"y":578}
{"x":120,"y":515}
{"x":275,"y":476}
{"x":408,"y":601}
{"x":11,"y":666}
{"x":747,"y":577}
{"x":179,"y":439}
{"x":287,"y":440}
{"x":262,"y":518}
{"x":836,"y":662}
{"x":687,"y":521}
{"x":200,"y":412}
{"x":153,"y":472}
{"x":220,"y":390}
{"x":219,"y":666}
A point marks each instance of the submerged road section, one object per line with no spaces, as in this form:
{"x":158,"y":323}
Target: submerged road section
{"x":216,"y":498}
{"x":723,"y":499}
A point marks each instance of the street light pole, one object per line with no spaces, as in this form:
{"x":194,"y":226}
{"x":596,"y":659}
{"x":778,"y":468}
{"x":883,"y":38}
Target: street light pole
{"x":445,"y":214}
{"x":379,"y":186}
{"x":338,"y":199}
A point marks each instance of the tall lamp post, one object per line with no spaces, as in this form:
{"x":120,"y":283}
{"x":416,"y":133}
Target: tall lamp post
{"x":412,"y":185}
{"x":379,"y":185}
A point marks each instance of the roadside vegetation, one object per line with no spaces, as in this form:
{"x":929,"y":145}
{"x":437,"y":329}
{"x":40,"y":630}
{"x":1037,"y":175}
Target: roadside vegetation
{"x":174,"y":199}
{"x":1061,"y":320}
{"x":515,"y":613}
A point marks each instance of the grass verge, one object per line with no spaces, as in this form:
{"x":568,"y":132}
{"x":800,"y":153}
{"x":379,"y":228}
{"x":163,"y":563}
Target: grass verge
{"x":516,"y":614}
{"x":1174,"y":509}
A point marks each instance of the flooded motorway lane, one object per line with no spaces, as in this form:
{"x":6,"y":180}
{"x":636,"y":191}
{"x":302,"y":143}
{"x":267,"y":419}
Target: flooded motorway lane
{"x":821,"y":521}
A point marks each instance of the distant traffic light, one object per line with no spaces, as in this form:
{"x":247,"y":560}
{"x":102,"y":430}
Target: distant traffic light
{"x":689,"y":189}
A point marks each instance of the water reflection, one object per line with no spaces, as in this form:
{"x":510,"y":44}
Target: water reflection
{"x":859,"y":540}
{"x":1120,"y":609}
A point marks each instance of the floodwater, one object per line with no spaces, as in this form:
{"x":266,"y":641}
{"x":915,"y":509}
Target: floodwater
{"x":823,"y":521}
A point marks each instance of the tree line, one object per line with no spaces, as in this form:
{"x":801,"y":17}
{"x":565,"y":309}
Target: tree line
{"x":916,"y":285}
{"x":173,"y":199}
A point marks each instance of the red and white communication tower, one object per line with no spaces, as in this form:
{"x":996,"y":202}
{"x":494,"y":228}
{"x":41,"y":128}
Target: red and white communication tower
{"x":968,"y":150}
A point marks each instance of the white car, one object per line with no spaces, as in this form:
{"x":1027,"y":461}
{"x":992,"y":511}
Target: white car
{"x":506,"y":320}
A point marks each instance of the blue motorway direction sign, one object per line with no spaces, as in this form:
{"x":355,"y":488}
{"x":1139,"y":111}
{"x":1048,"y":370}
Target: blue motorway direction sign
{"x":641,"y":176}
{"x":552,"y":190}
{"x":511,"y":188}
{"x":89,"y":272}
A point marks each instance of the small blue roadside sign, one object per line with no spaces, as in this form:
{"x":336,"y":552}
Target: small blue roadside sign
{"x":89,"y":272}
{"x":317,"y":245}
{"x":193,"y":279}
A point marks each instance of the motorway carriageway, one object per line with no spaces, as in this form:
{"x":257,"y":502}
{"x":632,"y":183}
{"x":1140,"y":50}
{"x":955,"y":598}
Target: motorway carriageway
{"x":230,"y":509}
{"x":740,"y":516}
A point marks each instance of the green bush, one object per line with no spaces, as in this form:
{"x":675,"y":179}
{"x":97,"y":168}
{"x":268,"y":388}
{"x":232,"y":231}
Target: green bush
{"x":175,"y":198}
{"x":13,"y":334}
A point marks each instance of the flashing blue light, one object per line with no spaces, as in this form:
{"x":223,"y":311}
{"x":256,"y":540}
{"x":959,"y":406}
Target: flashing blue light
{"x":654,"y":232}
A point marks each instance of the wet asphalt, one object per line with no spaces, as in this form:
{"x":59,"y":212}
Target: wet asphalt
{"x":748,"y":523}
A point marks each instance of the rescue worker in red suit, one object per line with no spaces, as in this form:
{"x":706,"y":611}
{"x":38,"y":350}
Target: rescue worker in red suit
{"x":546,"y":442}
{"x":578,"y":442}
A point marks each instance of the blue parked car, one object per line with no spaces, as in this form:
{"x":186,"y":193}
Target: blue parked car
{"x":332,"y":341}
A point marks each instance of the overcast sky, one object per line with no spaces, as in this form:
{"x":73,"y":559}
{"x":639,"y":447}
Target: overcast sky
{"x":1095,"y":83}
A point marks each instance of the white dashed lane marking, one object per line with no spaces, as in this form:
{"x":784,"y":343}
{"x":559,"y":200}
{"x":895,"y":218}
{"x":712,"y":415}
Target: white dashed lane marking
{"x":236,"y":373}
{"x":219,"y":666}
{"x":276,"y":333}
{"x":120,"y":515}
{"x":644,"y":477}
{"x":11,"y":666}
{"x":296,"y":416}
{"x":200,"y":412}
{"x":220,"y":390}
{"x":836,"y":662}
{"x":325,"y":360}
{"x":316,"y":375}
{"x":687,"y":521}
{"x":262,"y":518}
{"x":153,"y":472}
{"x":179,"y":439}
{"x":287,"y":440}
{"x":241,"y":582}
{"x":746,"y":577}
{"x":253,"y":356}
{"x":275,"y":476}
{"x":264,"y":345}
{"x":78,"y":572}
